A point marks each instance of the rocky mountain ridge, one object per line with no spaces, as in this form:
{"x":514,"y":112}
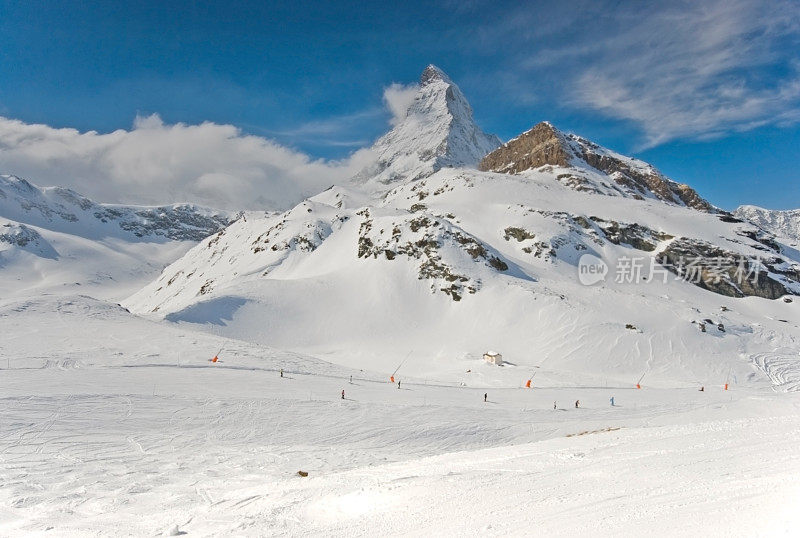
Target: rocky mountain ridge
{"x":574,"y":156}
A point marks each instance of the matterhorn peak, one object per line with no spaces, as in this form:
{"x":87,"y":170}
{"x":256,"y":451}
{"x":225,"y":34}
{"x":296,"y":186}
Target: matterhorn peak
{"x":438,"y":131}
{"x":433,"y":74}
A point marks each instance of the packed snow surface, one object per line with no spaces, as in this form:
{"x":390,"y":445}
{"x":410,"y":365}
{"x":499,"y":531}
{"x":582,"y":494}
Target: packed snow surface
{"x":112,"y":425}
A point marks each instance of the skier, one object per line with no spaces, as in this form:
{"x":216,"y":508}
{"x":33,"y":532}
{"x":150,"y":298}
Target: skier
{"x":342,"y":394}
{"x":398,"y":383}
{"x":281,"y":372}
{"x":577,"y":404}
{"x":702,"y":389}
{"x":612,"y":401}
{"x":554,"y":406}
{"x":351,"y":380}
{"x":485,"y":395}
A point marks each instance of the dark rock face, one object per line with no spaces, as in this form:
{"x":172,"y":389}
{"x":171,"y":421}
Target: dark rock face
{"x":641,"y":180}
{"x":545,"y":145}
{"x":428,"y":236}
{"x":432,"y":73}
{"x":727,"y":216}
{"x":18,"y":235}
{"x":21,"y":236}
{"x":534,"y":148}
{"x":638,"y":236}
{"x":53,"y":206}
{"x":520,"y":234}
{"x":179,"y":223}
{"x":729,"y":273}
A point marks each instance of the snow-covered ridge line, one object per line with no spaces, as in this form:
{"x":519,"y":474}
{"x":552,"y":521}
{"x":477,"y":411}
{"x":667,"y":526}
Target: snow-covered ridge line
{"x":781,"y":223}
{"x":64,"y":210}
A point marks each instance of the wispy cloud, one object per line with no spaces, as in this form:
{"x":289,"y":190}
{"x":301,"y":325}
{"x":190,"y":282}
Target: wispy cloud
{"x":331,"y":131}
{"x":675,"y":69}
{"x":338,"y":130}
{"x":698,"y":70}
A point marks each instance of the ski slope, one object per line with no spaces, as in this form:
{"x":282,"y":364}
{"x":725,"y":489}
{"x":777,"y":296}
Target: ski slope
{"x":107,"y":417}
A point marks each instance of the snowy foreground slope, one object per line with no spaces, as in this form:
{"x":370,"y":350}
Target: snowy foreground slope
{"x":55,"y":240}
{"x":112,"y":425}
{"x":367,"y":286}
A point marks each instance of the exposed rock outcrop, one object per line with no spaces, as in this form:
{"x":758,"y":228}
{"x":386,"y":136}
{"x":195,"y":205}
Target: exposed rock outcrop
{"x":545,"y":145}
{"x":424,"y":238}
{"x":730,"y":273}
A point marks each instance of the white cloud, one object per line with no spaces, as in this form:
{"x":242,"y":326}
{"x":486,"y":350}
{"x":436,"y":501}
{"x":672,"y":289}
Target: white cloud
{"x":154,"y":163}
{"x":210,"y":164}
{"x":398,"y":98}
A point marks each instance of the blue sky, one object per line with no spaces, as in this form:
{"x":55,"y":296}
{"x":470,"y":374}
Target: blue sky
{"x":708,"y":92}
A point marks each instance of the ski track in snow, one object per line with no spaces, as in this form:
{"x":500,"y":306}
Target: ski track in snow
{"x":782,"y":367}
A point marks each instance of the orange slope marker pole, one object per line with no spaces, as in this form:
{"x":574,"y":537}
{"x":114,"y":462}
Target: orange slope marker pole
{"x":391,"y":378}
{"x":216,"y":357}
{"x":530,"y":380}
{"x":639,"y":383}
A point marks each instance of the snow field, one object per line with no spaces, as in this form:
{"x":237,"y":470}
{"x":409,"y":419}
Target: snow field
{"x":127,"y":417}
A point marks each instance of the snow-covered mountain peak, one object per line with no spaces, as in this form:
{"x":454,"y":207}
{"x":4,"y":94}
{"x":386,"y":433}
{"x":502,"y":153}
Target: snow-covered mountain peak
{"x":781,"y":223}
{"x":586,"y":166}
{"x":438,"y":131}
{"x":433,"y":74}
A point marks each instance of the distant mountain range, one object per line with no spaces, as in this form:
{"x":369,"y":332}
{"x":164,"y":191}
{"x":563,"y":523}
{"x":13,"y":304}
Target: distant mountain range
{"x":54,"y":239}
{"x":451,"y":242}
{"x":783,"y":224}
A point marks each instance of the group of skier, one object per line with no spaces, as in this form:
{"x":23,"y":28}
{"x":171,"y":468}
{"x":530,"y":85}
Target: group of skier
{"x":485,"y":395}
